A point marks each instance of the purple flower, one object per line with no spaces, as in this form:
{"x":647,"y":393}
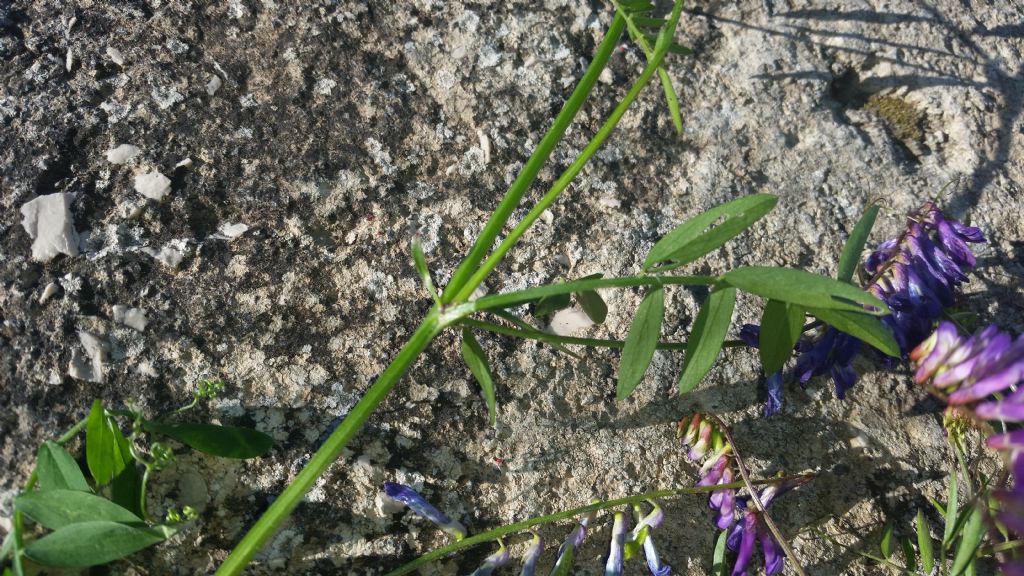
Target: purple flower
{"x":567,"y":550}
{"x":532,"y":555}
{"x":717,"y":469}
{"x":750,"y":530}
{"x":654,"y":563}
{"x":615,"y":551}
{"x":832,"y":354}
{"x":494,"y":561}
{"x":419,"y":505}
{"x":973,"y":368}
{"x":750,"y":334}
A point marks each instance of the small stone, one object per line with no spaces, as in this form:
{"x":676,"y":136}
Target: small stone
{"x":213,"y":85}
{"x":232,"y":231}
{"x":49,"y":292}
{"x":115,"y":56}
{"x":569,"y":321}
{"x":47,"y":219}
{"x":90,"y":366}
{"x":69,"y":60}
{"x":186,"y":163}
{"x":169,"y":255}
{"x":130,"y":317}
{"x":122,"y":153}
{"x":153,"y":185}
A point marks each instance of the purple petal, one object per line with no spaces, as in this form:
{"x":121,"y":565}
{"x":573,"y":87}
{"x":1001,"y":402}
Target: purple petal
{"x":750,"y":334}
{"x":614,"y":565}
{"x":1000,"y":410}
{"x":494,"y":561}
{"x":955,"y":245}
{"x":1009,"y":441}
{"x":420,"y":506}
{"x":844,"y":378}
{"x":1001,"y":380}
{"x":653,"y":561}
{"x":532,"y":556}
{"x":746,"y":544}
{"x":774,"y":384}
{"x":774,"y":558}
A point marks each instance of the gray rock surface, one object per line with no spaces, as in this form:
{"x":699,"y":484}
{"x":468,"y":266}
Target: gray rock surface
{"x":337,"y":130}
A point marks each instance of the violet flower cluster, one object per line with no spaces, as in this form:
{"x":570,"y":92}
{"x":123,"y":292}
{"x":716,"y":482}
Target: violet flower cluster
{"x":917,"y":275}
{"x":980,"y":375}
{"x":706,"y":442}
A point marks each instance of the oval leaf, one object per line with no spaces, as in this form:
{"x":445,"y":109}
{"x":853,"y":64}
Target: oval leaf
{"x":551,"y":304}
{"x":803,"y":288}
{"x":55,"y":509}
{"x":56,"y":469}
{"x":970,"y":539}
{"x":638,"y":350}
{"x":855,"y":244}
{"x":476,"y":360}
{"x":92,"y":543}
{"x":105,"y":447}
{"x":781,"y":326}
{"x":224,"y":441}
{"x":859,"y":325}
{"x":707,"y":336}
{"x":706,"y":232}
{"x":592,"y":303}
{"x":924,"y":543}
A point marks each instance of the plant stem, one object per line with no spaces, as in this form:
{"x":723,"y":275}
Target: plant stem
{"x":757,"y":500}
{"x":569,"y":175}
{"x":564,"y":515}
{"x":556,"y":339}
{"x":283,"y":505}
{"x":536,"y":161}
{"x":508,"y":299}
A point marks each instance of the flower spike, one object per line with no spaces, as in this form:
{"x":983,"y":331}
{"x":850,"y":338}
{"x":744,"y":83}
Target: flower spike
{"x":420,"y":506}
{"x":494,"y":561}
{"x":532,"y":555}
{"x":615,"y":552}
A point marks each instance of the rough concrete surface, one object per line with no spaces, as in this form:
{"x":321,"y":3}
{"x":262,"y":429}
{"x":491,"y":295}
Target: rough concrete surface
{"x":334,"y":131}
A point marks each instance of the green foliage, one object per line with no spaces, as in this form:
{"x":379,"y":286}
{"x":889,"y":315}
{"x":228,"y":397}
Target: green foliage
{"x":476,"y":360}
{"x":92,"y":543}
{"x":592,"y":303}
{"x":803,"y":289}
{"x":864,"y":326}
{"x":707,"y":231}
{"x":718,"y":565}
{"x":223,"y":441}
{"x":106,"y":449}
{"x":550,"y":304}
{"x":924,"y":543}
{"x":56,"y":469}
{"x":55,"y":509}
{"x":781,"y":327}
{"x":855,"y":244}
{"x":708,"y":334}
{"x":641,"y":341}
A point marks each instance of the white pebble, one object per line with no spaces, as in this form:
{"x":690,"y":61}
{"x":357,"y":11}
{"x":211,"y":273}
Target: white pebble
{"x":213,"y":85}
{"x":115,"y":56}
{"x":47,"y":219}
{"x":485,"y":145}
{"x":69,"y":60}
{"x":51,"y":289}
{"x":233,"y":230}
{"x":89,"y":367}
{"x":186,"y":163}
{"x":122,"y":153}
{"x":569,"y":321}
{"x":130,"y":317}
{"x":153,"y":185}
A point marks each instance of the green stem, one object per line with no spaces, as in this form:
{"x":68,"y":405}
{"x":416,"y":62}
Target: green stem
{"x":279,"y":511}
{"x":536,"y":161}
{"x":509,"y":299}
{"x":567,"y":177}
{"x":556,"y":339}
{"x":496,"y":533}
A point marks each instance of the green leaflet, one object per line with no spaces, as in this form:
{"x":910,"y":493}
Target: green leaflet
{"x":973,"y":533}
{"x":886,"y":544}
{"x":105,"y":446}
{"x":781,"y":326}
{"x":924,"y":543}
{"x":718,"y":565}
{"x":855,"y":244}
{"x":91,"y":543}
{"x":708,"y":231}
{"x":707,"y":336}
{"x":863,"y":326}
{"x":476,"y":360}
{"x":56,"y":469}
{"x":551,"y":304}
{"x":804,"y":289}
{"x":56,"y":509}
{"x":592,"y":303}
{"x":642,"y":340}
{"x":224,"y":441}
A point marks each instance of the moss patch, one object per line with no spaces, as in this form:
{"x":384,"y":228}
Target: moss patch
{"x":904,"y":120}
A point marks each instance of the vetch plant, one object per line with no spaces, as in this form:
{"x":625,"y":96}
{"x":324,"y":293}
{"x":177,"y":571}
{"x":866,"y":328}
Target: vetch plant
{"x":833,"y":302}
{"x":99,"y":519}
